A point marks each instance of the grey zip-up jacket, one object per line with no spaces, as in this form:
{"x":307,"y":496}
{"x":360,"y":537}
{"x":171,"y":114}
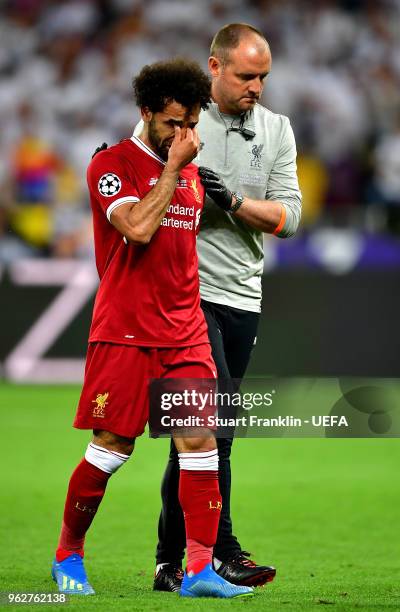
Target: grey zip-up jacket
{"x":263,"y":168}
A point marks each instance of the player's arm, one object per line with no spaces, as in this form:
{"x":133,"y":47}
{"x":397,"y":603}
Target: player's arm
{"x":139,"y":221}
{"x":280,"y":212}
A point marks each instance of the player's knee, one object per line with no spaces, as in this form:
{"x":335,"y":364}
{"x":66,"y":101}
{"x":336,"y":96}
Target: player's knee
{"x":200,"y":440}
{"x":195,"y":444}
{"x":113,"y":442}
{"x":108,"y":452}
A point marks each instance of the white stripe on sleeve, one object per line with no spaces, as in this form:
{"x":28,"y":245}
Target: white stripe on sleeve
{"x":118,"y":202}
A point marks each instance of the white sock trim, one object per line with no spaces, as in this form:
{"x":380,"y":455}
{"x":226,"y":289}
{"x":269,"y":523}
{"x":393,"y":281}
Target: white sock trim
{"x":106,"y":460}
{"x":203,"y":461}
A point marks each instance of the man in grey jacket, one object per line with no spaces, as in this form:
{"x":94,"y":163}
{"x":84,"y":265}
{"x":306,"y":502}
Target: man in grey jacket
{"x":248,"y":167}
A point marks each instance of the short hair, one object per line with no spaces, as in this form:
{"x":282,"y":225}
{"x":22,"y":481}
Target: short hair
{"x":229,"y":37}
{"x":177,"y":79}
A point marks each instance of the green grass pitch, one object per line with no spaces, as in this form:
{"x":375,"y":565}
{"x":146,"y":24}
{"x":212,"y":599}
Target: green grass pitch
{"x":324,"y":511}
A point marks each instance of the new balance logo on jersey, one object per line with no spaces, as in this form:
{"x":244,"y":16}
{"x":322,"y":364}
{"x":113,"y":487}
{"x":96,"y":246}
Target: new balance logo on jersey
{"x":181,"y":182}
{"x":109,"y":184}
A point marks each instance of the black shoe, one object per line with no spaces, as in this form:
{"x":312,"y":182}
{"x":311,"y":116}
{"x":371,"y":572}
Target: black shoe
{"x":243,"y":571}
{"x":169,"y":578}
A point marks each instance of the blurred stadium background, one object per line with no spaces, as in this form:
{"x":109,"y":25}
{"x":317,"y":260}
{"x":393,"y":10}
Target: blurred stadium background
{"x":327,"y":508}
{"x":331,"y":294}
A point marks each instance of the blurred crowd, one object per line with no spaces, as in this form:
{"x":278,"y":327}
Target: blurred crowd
{"x":66,"y":69}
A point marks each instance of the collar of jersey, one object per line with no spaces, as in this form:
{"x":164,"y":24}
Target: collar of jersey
{"x":146,"y":149}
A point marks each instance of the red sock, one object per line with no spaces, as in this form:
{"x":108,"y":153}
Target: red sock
{"x":85,"y":492}
{"x":200,"y":499}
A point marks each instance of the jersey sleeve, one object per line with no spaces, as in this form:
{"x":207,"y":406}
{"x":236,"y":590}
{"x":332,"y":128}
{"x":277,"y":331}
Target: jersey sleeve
{"x":108,"y":182}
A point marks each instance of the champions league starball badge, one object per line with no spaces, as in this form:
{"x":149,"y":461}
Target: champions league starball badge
{"x":109,"y":184}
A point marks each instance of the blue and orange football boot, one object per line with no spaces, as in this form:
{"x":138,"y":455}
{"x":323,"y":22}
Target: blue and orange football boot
{"x":208,"y":583}
{"x":70,"y":576}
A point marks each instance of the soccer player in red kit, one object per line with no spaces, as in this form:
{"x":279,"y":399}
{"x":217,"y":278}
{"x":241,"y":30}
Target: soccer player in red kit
{"x":146,"y":200}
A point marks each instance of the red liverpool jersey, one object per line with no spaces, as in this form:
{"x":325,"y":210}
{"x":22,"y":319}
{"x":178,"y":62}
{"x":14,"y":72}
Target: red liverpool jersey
{"x":148,"y":294}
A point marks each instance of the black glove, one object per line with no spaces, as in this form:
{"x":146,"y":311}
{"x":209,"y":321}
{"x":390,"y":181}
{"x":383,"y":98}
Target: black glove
{"x":103,"y":147}
{"x":216,"y":188}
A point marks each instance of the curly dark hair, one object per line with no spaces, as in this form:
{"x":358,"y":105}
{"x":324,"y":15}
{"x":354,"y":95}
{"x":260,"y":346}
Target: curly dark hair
{"x":178,"y":79}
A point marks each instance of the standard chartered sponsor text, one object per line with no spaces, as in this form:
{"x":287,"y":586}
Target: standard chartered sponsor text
{"x":175,"y":210}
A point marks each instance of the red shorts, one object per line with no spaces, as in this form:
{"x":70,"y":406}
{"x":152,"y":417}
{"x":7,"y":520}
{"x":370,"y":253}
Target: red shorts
{"x":115,"y":393}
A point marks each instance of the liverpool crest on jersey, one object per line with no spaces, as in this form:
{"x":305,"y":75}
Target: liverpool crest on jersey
{"x":256,"y":152}
{"x":195,"y":189}
{"x":101,"y":403}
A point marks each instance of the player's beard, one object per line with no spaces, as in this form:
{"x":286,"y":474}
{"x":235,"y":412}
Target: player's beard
{"x":159,"y":146}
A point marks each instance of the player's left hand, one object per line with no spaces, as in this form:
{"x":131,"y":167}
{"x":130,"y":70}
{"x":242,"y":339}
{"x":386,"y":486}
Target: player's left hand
{"x":216,"y":188}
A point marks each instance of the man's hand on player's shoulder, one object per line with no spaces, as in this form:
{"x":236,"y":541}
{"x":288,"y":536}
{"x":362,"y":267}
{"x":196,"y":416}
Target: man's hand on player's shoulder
{"x":184,"y":148}
{"x":102,"y":147}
